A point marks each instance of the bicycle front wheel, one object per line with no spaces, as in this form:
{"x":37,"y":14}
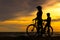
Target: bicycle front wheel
{"x":31,"y":30}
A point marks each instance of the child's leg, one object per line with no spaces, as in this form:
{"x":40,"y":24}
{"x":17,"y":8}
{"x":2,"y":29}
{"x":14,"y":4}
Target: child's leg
{"x":48,"y":30}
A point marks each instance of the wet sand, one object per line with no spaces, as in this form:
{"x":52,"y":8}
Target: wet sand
{"x":30,"y":38}
{"x":22,"y":36}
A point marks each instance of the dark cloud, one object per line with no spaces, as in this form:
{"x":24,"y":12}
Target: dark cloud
{"x":9,"y":8}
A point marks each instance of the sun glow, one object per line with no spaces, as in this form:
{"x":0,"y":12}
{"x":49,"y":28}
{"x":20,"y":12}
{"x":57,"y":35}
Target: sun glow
{"x":53,"y":10}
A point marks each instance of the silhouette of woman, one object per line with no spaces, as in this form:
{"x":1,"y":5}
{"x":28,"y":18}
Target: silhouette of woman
{"x":39,"y":20}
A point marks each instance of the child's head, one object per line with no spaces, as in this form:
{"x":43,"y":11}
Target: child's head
{"x":48,"y":14}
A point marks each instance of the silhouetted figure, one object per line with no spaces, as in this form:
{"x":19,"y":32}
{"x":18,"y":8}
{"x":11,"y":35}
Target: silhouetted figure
{"x":39,"y":20}
{"x":48,"y":20}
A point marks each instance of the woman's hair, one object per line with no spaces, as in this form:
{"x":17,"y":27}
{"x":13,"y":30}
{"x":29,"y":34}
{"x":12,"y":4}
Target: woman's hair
{"x":39,"y":7}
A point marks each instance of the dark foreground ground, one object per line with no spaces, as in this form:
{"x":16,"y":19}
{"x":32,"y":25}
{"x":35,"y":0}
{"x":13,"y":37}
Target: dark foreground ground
{"x":29,"y":38}
{"x":23,"y":36}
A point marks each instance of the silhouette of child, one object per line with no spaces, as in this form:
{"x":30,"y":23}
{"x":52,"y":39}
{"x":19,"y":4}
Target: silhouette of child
{"x":48,"y":20}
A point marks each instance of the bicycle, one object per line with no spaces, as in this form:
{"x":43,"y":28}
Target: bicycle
{"x":31,"y":30}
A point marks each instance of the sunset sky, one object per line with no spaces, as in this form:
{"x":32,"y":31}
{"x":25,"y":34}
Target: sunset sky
{"x":16,"y":15}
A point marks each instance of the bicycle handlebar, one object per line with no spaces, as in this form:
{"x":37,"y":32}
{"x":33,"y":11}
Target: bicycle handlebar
{"x":34,"y":21}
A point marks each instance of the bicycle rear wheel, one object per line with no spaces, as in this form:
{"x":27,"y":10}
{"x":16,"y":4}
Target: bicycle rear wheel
{"x":31,"y":30}
{"x":49,"y":32}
